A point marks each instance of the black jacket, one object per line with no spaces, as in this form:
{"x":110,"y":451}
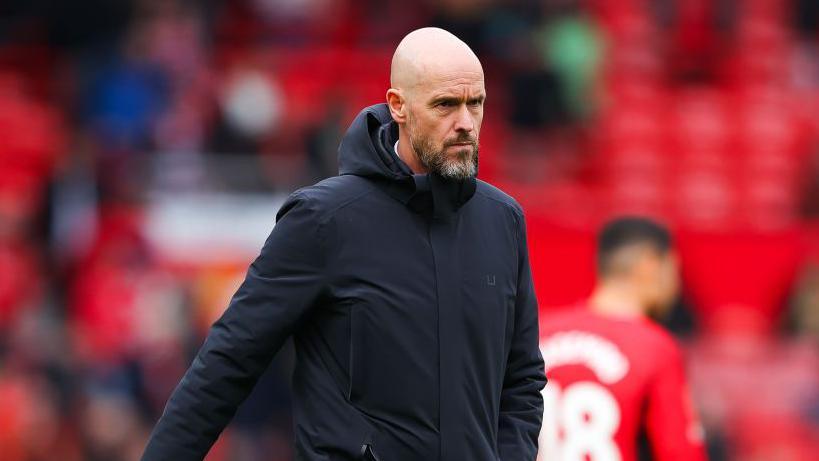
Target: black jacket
{"x":410,"y":302}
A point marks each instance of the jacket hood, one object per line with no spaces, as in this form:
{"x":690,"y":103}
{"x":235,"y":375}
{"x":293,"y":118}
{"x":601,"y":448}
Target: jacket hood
{"x":367,"y":147}
{"x":367,"y":150}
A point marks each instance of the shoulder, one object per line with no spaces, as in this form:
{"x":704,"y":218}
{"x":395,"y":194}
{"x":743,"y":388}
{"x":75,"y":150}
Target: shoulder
{"x":640,"y":334}
{"x":491,"y":195}
{"x":565,"y":315}
{"x":658,"y":340}
{"x":324,"y":198}
{"x":660,"y":335}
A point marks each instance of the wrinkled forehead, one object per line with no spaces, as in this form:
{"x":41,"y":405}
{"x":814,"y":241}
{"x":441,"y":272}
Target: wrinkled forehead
{"x":456,"y":77}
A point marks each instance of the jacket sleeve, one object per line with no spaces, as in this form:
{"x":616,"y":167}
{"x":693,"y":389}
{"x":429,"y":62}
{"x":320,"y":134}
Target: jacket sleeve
{"x":280,"y":286}
{"x":521,"y":405}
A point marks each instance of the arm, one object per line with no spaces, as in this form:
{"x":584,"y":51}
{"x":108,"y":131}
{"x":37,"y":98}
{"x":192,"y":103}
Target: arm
{"x":521,"y":405}
{"x":671,"y":424}
{"x":280,"y":286}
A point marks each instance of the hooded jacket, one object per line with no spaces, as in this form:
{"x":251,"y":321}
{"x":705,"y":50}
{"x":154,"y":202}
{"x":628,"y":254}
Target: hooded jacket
{"x":410,"y":301}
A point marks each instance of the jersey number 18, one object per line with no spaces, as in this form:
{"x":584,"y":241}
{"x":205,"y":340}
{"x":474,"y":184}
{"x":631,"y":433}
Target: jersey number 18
{"x":579,"y":423}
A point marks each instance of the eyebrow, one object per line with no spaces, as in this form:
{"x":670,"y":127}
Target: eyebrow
{"x":455,"y":99}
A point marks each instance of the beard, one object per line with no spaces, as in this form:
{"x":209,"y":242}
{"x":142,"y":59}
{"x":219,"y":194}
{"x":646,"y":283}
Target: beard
{"x":462,"y":165}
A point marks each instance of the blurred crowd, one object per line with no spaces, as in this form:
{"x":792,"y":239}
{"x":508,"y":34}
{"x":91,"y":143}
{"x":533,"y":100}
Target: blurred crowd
{"x":702,"y":113}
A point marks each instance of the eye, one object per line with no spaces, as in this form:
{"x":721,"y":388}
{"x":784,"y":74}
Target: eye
{"x":446,"y":104}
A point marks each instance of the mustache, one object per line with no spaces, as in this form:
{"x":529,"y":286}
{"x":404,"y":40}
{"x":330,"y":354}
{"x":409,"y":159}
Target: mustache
{"x":461,"y":139}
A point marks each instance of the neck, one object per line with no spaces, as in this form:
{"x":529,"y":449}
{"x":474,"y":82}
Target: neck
{"x":616,"y":300}
{"x":408,"y":155}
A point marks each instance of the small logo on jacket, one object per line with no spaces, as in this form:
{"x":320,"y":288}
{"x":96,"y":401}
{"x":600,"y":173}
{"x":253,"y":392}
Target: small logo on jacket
{"x":490,"y":280}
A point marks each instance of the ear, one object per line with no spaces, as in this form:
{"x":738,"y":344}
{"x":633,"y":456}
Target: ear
{"x":397,"y":105}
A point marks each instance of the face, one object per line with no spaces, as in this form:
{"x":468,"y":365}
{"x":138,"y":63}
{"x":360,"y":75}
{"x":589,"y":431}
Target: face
{"x":663,"y":282}
{"x":444,"y":120}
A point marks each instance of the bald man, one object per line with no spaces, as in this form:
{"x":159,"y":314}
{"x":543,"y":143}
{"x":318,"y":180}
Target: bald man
{"x":404,"y":282}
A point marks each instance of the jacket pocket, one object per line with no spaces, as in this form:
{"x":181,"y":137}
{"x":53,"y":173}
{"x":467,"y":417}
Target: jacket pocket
{"x":489,"y":297}
{"x":356,"y":354}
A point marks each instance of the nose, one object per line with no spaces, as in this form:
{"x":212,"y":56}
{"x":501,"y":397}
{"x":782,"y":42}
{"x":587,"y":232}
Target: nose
{"x":464,"y":121}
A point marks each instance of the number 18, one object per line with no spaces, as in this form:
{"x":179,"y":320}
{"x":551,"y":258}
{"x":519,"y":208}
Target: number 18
{"x":579,"y":423}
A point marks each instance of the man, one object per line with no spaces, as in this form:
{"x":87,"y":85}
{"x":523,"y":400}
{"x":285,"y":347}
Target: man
{"x":405,"y":284}
{"x":613,"y":374}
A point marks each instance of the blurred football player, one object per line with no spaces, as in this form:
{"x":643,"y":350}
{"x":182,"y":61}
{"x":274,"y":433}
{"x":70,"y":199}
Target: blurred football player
{"x":614,"y":375}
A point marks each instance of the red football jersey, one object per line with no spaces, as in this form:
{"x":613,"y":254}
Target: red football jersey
{"x":610,"y":378}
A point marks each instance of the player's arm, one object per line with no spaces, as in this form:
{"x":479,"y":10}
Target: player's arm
{"x":521,"y":405}
{"x":281,"y":284}
{"x":671,"y":423}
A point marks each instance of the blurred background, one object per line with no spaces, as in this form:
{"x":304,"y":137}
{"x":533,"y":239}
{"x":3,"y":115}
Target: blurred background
{"x":145,"y":146}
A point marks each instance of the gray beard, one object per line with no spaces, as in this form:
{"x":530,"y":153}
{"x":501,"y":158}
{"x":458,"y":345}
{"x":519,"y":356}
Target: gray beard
{"x":464,"y":166}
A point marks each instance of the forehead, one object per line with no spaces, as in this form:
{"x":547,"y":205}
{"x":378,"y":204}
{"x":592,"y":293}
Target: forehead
{"x":451,"y":79}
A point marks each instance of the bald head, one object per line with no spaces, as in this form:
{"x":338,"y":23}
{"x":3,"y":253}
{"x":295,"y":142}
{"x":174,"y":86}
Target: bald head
{"x":428,"y":53}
